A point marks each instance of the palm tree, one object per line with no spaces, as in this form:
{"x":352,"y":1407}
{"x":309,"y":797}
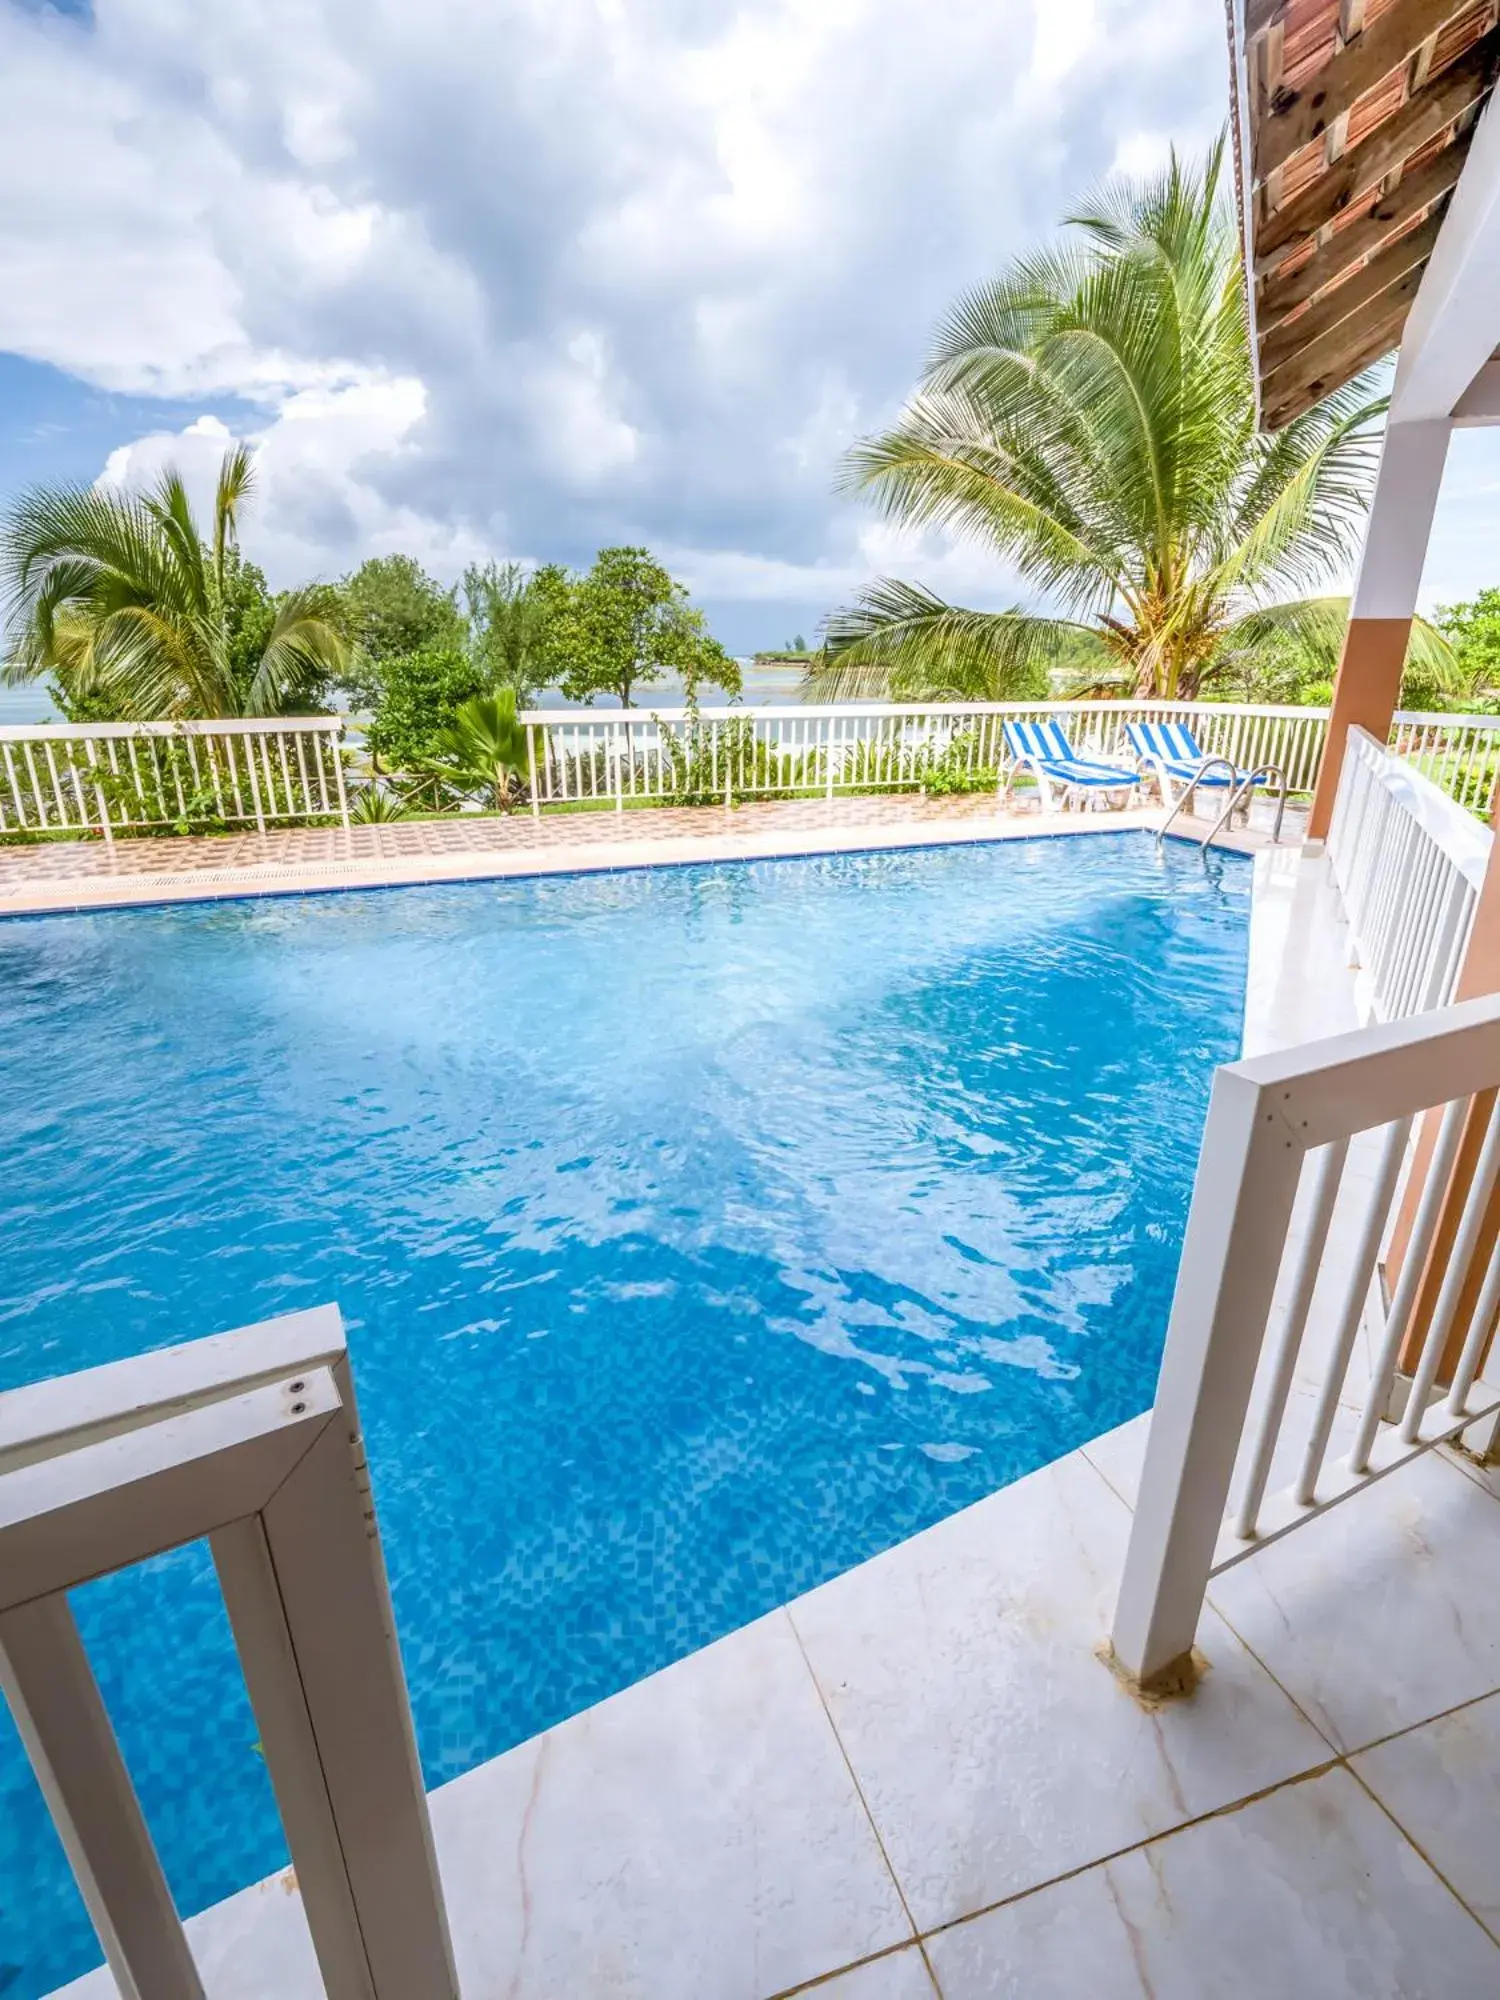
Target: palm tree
{"x":483,"y":749}
{"x":120,"y":599}
{"x":1088,"y":417}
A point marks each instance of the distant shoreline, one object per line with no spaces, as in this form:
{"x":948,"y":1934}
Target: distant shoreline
{"x":768,"y":678}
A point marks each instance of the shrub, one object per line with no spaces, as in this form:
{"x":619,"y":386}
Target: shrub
{"x":419,"y":698}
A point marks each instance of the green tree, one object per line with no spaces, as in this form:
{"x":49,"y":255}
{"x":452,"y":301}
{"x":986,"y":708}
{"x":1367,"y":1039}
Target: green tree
{"x":483,"y":750}
{"x":418,"y":696}
{"x":1088,"y":418}
{"x":627,"y":624}
{"x":133,"y":615}
{"x":1473,"y":631}
{"x":391,"y":606}
{"x":511,"y":613}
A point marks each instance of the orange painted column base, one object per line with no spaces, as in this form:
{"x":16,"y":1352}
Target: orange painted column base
{"x":1366,"y":693}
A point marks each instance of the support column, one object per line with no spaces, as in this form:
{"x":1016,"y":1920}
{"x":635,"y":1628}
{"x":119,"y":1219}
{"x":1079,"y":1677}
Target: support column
{"x":1368,"y":687}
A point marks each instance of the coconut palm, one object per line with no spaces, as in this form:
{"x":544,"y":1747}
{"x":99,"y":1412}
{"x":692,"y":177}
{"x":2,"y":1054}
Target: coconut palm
{"x":118,"y":596}
{"x":483,"y":750}
{"x":1088,"y":417}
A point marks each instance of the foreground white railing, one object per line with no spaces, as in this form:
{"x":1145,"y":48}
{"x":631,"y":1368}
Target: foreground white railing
{"x":252,"y":1439}
{"x":662,"y":754}
{"x":1249,"y":1303}
{"x":1408,"y":863}
{"x":129,"y":777}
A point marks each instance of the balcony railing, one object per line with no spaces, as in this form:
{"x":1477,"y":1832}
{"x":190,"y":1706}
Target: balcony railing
{"x":252,"y":1439}
{"x":1279,"y":1264}
{"x":1243,"y":1333}
{"x":1408,"y":863}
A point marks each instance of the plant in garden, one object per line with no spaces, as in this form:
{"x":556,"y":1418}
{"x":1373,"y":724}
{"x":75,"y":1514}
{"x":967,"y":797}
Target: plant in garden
{"x":956,"y":772}
{"x":626,"y":624}
{"x":483,"y":750}
{"x":119,"y":599}
{"x":390,"y":607}
{"x":419,"y":696}
{"x":511,"y":615}
{"x":1472,"y":629}
{"x":374,"y":803}
{"x":1088,"y":418}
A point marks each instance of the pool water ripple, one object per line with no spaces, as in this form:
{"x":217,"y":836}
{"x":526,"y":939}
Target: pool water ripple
{"x":700,"y":1233}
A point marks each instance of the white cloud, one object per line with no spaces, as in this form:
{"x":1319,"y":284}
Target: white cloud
{"x":534,"y":275}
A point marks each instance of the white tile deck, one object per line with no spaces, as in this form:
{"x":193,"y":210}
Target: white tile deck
{"x":993,"y":1749}
{"x":929,"y":1746}
{"x":1442,"y":1783}
{"x":1310,"y":1894}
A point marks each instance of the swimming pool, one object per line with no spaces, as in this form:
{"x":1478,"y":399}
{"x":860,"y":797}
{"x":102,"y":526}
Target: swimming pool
{"x":700,"y":1232}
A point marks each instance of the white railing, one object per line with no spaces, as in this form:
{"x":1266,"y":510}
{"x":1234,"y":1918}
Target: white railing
{"x":129,"y":777}
{"x":61,"y":778}
{"x":652,"y":756}
{"x":1408,"y":863}
{"x":252,"y":1439}
{"x":1459,"y":753}
{"x":1266,"y":1314}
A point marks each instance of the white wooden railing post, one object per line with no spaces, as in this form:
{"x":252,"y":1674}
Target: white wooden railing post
{"x":251,"y":1439}
{"x":336,"y":745}
{"x":60,"y":1716}
{"x":1242,"y":1202}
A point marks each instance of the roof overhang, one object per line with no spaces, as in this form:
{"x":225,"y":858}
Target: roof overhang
{"x":1354,"y":121}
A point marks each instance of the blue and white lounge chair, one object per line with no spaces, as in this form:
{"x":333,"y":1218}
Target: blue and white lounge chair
{"x":1043,"y":749}
{"x":1180,"y":764}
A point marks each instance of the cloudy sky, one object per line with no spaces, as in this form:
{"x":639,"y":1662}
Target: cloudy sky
{"x":521,"y":277}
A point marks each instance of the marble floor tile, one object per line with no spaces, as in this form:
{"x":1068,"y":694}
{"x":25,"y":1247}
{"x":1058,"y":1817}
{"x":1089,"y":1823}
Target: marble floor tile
{"x":995,"y":1751}
{"x":697,"y":1837}
{"x":901,"y":1976}
{"x":1442,"y":1783}
{"x":1299,"y":986}
{"x":248,"y":1947}
{"x":1383,"y":1612}
{"x":1309,"y":1894}
{"x":1486,"y":1475}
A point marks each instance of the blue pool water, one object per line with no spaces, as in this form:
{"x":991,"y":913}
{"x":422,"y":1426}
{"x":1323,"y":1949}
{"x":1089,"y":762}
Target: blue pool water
{"x":700,"y":1232}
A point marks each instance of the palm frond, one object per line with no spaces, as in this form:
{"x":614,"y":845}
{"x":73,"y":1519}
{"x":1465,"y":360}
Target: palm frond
{"x":303,"y":653}
{"x":901,"y":642}
{"x":1316,"y":627}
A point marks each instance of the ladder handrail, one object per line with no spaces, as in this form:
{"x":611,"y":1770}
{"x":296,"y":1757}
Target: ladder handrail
{"x":1240,"y":789}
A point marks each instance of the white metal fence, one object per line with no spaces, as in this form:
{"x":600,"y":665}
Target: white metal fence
{"x":1267,"y":1312}
{"x":130,"y":777}
{"x":1459,"y":753}
{"x":654,"y":756}
{"x":60,"y":778}
{"x":1408,"y":863}
{"x":252,"y":1439}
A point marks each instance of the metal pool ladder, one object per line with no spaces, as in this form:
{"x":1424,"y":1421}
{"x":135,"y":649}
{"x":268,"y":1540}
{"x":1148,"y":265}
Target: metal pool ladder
{"x":1241,"y":792}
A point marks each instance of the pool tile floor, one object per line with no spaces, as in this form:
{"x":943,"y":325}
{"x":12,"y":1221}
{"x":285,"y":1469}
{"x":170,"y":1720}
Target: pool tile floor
{"x":68,"y":875}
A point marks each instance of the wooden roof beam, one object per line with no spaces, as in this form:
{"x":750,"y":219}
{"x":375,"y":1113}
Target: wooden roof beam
{"x":1293,"y":337}
{"x":1276,"y":294}
{"x":1419,"y":120}
{"x":1294,"y":118}
{"x":1296,"y":388}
